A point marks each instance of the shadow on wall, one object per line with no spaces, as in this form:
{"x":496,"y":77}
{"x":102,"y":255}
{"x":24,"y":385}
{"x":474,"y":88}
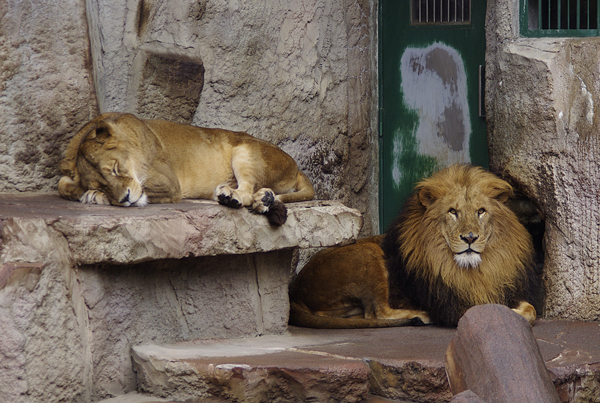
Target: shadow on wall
{"x":530,"y":216}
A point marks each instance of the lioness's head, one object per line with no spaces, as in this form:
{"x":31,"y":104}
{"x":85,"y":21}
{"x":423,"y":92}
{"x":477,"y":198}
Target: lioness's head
{"x":111,"y":154}
{"x":460,"y":214}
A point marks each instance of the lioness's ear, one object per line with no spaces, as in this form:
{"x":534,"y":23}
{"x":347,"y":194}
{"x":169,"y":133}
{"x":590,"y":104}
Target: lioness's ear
{"x":102,"y":133}
{"x":500,"y":190}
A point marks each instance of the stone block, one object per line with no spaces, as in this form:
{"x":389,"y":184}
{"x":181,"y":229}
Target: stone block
{"x":542,"y":101}
{"x":80,"y":284}
{"x":466,"y":397}
{"x":46,"y":87}
{"x":273,"y":376}
{"x":495,"y":355}
{"x":169,"y":86}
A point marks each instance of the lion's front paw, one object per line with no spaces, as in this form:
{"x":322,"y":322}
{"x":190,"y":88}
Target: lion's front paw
{"x":263,"y":200}
{"x":526,"y":310}
{"x":94,"y":197}
{"x":225,"y":196}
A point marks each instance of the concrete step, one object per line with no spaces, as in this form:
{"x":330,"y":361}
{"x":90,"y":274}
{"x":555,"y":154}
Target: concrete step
{"x":401,"y":364}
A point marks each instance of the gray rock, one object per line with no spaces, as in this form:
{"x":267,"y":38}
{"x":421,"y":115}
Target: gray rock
{"x":542,"y":112}
{"x":80,"y":284}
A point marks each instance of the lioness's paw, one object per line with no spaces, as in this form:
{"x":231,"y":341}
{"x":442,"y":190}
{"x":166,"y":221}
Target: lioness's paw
{"x":226,"y":197}
{"x":263,"y":200}
{"x":94,"y":197}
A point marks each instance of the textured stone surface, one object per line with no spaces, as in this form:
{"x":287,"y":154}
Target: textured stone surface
{"x":466,"y":397}
{"x":301,"y":74}
{"x":542,"y":111}
{"x":116,"y":235}
{"x":499,"y":360}
{"x":277,"y":377}
{"x":413,"y":358}
{"x":46,"y":88}
{"x":134,"y":397}
{"x":173,"y":300}
{"x":80,"y":284}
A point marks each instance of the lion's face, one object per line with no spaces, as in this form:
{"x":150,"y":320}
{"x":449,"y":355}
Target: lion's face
{"x":466,"y":215}
{"x":465,"y":225}
{"x":112,"y":164}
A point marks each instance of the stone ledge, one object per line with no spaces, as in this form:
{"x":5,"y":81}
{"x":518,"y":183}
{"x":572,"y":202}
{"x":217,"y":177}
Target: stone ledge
{"x":116,"y":235}
{"x":404,"y":363}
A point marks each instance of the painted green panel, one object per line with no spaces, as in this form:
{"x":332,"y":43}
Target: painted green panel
{"x":429,"y":88}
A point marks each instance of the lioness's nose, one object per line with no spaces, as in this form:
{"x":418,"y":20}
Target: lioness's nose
{"x":469,"y":239}
{"x":126,"y":198}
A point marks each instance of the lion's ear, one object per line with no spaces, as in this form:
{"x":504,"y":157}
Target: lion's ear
{"x":500,"y":190}
{"x":426,"y":196}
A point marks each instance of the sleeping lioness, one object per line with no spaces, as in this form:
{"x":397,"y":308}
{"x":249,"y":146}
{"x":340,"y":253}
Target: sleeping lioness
{"x":121,"y":160}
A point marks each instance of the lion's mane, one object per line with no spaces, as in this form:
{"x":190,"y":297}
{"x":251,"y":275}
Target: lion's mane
{"x":422,"y":267}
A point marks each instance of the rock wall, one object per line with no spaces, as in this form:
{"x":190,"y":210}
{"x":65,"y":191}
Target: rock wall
{"x":301,"y":74}
{"x":542,"y":102}
{"x":80,"y":285}
{"x":46,"y":88}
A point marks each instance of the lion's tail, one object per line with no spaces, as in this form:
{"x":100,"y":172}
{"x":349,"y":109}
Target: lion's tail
{"x":304,"y":319}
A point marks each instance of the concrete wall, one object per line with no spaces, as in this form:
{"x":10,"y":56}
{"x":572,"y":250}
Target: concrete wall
{"x":542,"y":101}
{"x":301,"y":74}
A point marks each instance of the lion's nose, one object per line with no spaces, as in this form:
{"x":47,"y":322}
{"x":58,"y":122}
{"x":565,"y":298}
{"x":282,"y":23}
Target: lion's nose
{"x":469,"y":239}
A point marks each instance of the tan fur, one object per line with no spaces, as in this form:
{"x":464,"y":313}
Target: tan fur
{"x":427,"y":243}
{"x":505,"y":242}
{"x":122,"y":160}
{"x":346,"y":287}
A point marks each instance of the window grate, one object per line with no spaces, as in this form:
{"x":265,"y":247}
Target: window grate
{"x":440,"y":12}
{"x":559,"y":18}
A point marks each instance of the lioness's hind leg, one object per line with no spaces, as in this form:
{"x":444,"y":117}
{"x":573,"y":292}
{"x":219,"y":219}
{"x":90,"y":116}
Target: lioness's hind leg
{"x":526,"y":310}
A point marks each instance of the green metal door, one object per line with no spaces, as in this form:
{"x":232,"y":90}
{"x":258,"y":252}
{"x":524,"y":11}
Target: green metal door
{"x":431,"y":57}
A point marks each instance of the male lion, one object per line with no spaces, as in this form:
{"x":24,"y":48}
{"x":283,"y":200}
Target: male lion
{"x":125,"y":161}
{"x":456,"y":244}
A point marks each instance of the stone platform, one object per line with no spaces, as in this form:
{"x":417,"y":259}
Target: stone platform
{"x":81,"y":284}
{"x":374,"y":365}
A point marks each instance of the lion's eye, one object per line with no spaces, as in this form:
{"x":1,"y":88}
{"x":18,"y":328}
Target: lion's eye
{"x":115,"y":170}
{"x":481,"y":212}
{"x":452,"y":212}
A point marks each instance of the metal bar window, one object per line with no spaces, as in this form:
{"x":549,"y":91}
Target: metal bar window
{"x":560,"y":17}
{"x":440,"y":12}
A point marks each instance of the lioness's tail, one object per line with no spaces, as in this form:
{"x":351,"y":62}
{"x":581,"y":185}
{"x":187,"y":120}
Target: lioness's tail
{"x":304,"y":190}
{"x":305,"y":319}
{"x":277,"y":214}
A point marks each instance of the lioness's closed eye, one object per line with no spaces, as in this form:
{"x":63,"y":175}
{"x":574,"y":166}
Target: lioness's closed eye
{"x":121,"y":160}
